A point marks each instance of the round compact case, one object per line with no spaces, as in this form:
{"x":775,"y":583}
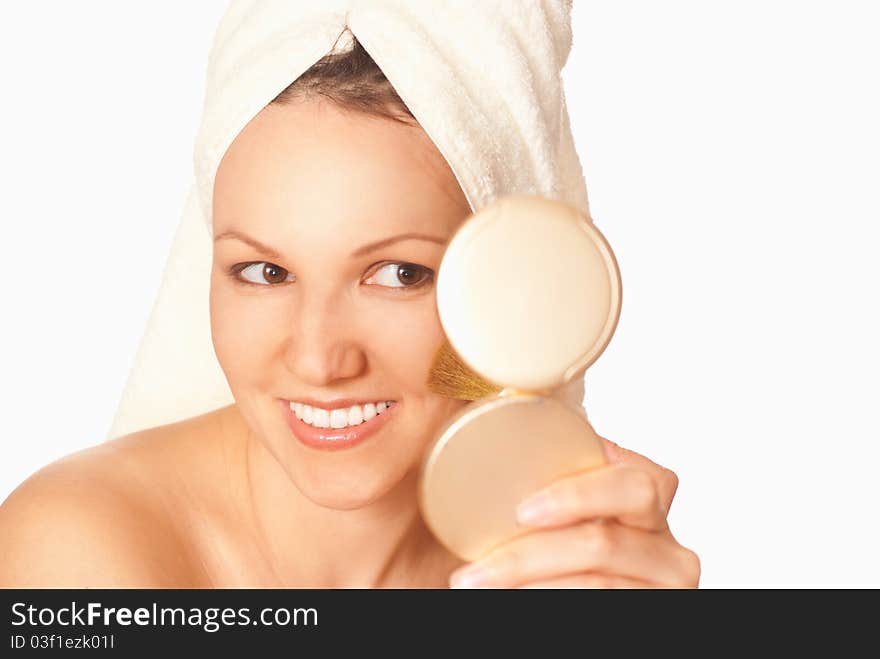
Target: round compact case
{"x":528,"y":294}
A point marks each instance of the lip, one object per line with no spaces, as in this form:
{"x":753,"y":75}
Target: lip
{"x":334,"y":439}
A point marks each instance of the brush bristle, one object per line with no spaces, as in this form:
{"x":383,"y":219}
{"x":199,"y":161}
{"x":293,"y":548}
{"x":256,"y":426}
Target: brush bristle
{"x":452,"y":378}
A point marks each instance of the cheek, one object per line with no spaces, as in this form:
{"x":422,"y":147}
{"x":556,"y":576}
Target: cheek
{"x":240,"y":326}
{"x":408,"y":341}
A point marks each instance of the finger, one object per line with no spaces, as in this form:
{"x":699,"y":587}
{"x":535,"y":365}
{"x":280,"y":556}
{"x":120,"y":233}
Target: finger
{"x":667,"y":481}
{"x":605,"y":547}
{"x":590,"y":580}
{"x":627,"y":493}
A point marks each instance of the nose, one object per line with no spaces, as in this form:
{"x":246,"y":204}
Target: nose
{"x":323,"y":345}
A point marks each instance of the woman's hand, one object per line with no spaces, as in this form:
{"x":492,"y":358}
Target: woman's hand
{"x":604,"y":528}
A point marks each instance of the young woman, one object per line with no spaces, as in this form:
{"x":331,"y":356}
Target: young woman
{"x":331,"y":210}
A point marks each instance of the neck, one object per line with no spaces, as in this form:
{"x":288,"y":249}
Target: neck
{"x":385,"y":544}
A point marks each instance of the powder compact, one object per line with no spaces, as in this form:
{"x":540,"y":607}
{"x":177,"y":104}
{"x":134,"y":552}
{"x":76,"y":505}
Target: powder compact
{"x":528,"y":294}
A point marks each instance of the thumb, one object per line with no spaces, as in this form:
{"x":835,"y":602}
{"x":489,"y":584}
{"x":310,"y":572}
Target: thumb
{"x":666,"y":480}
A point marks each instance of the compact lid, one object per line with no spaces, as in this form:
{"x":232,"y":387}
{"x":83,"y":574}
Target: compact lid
{"x":489,"y":457}
{"x":528,"y":292}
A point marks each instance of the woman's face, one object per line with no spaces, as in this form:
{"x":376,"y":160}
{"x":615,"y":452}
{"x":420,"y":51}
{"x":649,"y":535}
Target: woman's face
{"x":316,"y":313}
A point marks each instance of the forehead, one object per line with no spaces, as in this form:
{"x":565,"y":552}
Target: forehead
{"x":313,"y":161}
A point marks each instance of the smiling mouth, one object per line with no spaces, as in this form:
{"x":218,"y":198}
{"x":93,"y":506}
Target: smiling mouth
{"x":342,"y":429}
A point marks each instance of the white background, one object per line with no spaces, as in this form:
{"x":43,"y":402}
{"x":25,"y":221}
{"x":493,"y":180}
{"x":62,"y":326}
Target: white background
{"x":732,"y":156}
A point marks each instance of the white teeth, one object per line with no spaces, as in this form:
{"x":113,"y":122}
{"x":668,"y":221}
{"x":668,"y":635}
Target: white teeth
{"x":355,"y":415}
{"x":320,"y":418}
{"x":339,"y":418}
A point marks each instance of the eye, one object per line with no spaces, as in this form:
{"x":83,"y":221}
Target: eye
{"x":261,"y":274}
{"x":402,"y":275}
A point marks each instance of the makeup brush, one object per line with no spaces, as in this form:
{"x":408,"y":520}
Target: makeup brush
{"x":451,"y":377}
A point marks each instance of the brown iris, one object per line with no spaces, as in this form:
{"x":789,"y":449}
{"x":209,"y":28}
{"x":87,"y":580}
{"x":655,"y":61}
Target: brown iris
{"x":273,"y":274}
{"x":408,"y":273}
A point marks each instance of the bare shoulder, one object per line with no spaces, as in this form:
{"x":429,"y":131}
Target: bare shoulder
{"x":106,"y":516}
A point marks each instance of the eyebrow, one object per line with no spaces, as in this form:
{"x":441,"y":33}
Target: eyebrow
{"x":253,"y":242}
{"x":360,"y":251}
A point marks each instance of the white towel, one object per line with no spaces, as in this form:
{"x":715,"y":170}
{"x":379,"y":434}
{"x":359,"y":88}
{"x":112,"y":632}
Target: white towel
{"x":482,"y":79}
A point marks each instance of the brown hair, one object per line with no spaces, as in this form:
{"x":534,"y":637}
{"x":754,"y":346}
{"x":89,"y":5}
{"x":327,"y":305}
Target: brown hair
{"x":352,"y":80}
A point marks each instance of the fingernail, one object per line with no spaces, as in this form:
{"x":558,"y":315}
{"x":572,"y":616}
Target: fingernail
{"x":535,"y":509}
{"x":469,"y":577}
